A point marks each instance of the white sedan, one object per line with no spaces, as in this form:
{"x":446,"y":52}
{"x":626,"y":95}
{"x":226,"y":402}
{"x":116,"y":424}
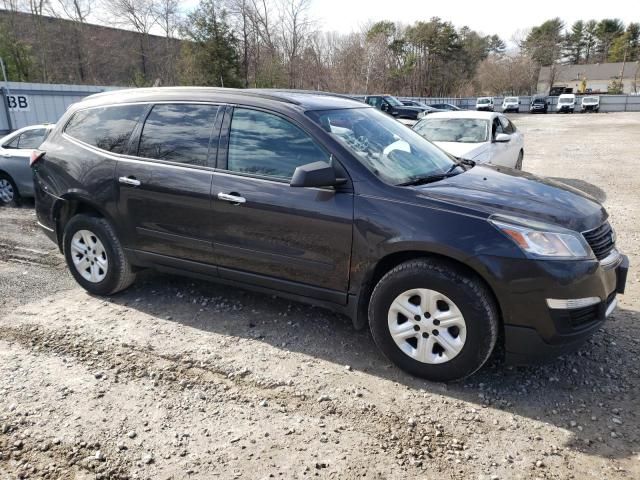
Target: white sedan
{"x":484,"y":137}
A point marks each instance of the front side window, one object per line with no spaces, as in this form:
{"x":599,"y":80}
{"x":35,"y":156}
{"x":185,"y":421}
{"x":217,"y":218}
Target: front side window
{"x":178,"y":133}
{"x":507,"y":126}
{"x":261,"y":143}
{"x":107,"y":128}
{"x":461,"y":130}
{"x":393,"y":152}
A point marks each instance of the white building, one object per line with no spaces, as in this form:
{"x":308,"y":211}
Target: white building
{"x":597,"y":77}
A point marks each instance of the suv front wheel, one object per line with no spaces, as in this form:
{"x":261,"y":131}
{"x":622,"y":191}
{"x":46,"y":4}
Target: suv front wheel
{"x":95,"y":256}
{"x":432,"y":320}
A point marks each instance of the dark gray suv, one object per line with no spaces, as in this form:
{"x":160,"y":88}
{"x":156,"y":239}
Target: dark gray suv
{"x":326,"y":200}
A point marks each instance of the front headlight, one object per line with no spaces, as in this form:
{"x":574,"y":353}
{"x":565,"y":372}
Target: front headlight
{"x":545,"y":241}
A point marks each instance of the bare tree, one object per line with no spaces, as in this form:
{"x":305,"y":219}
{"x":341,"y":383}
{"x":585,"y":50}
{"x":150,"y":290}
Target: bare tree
{"x":141,"y":16}
{"x":296,"y":28}
{"x":167,"y":15}
{"x":78,"y":11}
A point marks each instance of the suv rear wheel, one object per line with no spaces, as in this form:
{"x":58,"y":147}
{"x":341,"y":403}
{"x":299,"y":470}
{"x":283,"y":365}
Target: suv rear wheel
{"x":433,"y":321}
{"x":95,"y":256}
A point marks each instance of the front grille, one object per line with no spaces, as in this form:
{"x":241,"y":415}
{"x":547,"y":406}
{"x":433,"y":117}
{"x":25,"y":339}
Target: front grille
{"x":600,"y":240}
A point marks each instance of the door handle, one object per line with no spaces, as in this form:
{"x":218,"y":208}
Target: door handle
{"x":227,"y":197}
{"x":129,"y":181}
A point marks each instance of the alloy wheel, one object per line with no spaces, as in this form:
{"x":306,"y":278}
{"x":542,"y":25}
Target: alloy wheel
{"x":6,"y":191}
{"x":427,"y":326}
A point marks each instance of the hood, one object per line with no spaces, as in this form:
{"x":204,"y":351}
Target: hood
{"x":462,"y":150}
{"x":408,"y":111}
{"x":498,"y":190}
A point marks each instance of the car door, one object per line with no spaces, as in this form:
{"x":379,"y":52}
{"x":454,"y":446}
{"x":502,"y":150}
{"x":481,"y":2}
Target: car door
{"x":165,"y":184}
{"x":514,"y":145}
{"x":15,"y":155}
{"x":267,"y":232}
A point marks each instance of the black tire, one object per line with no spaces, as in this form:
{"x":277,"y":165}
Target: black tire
{"x":519,"y":161}
{"x":15,"y":199}
{"x":468,"y":293}
{"x":119,"y":275}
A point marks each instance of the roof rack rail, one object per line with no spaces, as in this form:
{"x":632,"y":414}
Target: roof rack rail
{"x":251,"y":92}
{"x":294,"y":90}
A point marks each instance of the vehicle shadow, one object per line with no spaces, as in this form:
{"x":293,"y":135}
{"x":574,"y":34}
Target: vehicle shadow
{"x":584,"y":387}
{"x":589,"y":188}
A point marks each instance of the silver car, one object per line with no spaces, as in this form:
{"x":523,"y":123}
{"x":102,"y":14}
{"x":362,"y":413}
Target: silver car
{"x":484,"y":137}
{"x":15,"y":154}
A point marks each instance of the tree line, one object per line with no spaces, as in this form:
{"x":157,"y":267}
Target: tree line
{"x":277,"y":43}
{"x":607,"y":40}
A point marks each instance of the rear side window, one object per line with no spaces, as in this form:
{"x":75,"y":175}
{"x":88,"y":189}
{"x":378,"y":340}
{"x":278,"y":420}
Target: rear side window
{"x":107,"y":128}
{"x":264,"y":144}
{"x":178,"y":133}
{"x":32,"y":138}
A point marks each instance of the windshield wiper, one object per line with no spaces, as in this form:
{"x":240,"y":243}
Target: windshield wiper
{"x":421,"y":180}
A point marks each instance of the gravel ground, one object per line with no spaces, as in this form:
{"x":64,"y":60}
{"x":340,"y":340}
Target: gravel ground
{"x":181,"y":379}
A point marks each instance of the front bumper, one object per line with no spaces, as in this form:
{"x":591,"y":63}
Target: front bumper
{"x":535,"y":332}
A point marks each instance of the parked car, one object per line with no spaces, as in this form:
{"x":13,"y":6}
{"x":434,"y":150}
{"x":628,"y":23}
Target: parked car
{"x":325,"y":200}
{"x":511,"y":104}
{"x":484,"y":137}
{"x":484,"y":104}
{"x":538,"y":104}
{"x":590,"y":104}
{"x":427,"y":109}
{"x":16,"y":180}
{"x":566,"y":103}
{"x":394,"y":107}
{"x":446,"y":106}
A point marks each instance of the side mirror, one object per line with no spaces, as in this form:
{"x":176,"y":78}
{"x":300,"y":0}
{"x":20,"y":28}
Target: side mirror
{"x":384,"y":107}
{"x":316,"y":174}
{"x":503,"y":138}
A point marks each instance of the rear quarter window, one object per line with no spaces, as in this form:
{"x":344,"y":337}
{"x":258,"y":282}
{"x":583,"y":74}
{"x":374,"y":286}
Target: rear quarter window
{"x":107,"y":128}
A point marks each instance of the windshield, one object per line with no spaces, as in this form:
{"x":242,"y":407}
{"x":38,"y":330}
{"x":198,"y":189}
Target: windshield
{"x":393,"y":101}
{"x":511,"y":100}
{"x":484,"y":100}
{"x":389,"y":149}
{"x":565,"y":100}
{"x":462,"y":130}
{"x":590,"y":100}
{"x":539,"y":100}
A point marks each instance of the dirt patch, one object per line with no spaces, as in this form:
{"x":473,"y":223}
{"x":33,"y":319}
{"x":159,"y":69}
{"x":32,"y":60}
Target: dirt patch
{"x":182,"y":379}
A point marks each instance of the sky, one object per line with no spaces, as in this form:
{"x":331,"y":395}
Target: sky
{"x":507,"y":19}
{"x":503,"y":18}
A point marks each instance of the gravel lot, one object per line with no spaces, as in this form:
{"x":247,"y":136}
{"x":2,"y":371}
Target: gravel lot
{"x":176,"y":378}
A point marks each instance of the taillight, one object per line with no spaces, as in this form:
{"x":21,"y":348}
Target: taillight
{"x":35,"y":156}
